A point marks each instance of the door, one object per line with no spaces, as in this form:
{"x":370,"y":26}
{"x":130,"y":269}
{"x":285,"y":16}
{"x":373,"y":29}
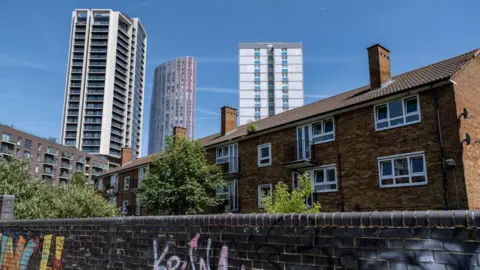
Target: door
{"x":233,"y":163}
{"x":303,"y":143}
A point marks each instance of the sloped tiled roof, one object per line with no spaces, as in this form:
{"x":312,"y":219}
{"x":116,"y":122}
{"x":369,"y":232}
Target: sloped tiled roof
{"x":422,"y":76}
{"x":132,"y":164}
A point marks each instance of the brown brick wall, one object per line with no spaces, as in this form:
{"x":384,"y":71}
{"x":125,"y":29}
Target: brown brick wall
{"x":467,"y":95}
{"x":355,"y":151}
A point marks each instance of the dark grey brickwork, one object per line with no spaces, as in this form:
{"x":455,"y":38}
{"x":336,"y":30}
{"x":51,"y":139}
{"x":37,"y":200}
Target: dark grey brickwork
{"x":373,"y":240}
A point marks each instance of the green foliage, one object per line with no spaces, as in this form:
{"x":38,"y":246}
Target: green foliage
{"x":78,"y":178}
{"x":252,"y":128}
{"x":36,"y":199}
{"x":180,"y":181}
{"x":284,"y":201}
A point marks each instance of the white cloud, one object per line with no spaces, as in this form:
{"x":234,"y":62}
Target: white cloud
{"x":220,"y":90}
{"x":205,"y":111}
{"x":10,"y":61}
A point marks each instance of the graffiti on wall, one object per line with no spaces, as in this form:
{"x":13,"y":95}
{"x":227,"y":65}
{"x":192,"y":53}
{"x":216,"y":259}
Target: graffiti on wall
{"x":19,"y":257}
{"x":174,"y":262}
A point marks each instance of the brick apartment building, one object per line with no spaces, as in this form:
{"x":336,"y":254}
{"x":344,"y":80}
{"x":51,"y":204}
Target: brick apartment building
{"x":50,"y":161}
{"x":406,"y":142}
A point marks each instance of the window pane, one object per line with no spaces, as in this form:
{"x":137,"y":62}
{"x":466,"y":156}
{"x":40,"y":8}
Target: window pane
{"x":395,"y":109}
{"x":417,"y":164}
{"x":395,"y":122}
{"x":327,"y":137}
{"x":387,"y":182}
{"x":382,"y":112}
{"x":219,"y":152}
{"x":319,"y":177}
{"x":382,"y":125}
{"x":225,"y":151}
{"x":264,"y":152}
{"x":403,"y":180}
{"x":328,"y":126}
{"x":401,"y":166}
{"x":412,"y":118}
{"x":317,"y":128}
{"x":419,"y":179}
{"x":411,"y":105}
{"x":265,"y":161}
{"x":331,"y":175}
{"x":386,"y":167}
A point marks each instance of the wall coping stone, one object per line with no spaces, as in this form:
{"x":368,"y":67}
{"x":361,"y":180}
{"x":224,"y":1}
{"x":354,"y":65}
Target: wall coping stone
{"x":454,"y":218}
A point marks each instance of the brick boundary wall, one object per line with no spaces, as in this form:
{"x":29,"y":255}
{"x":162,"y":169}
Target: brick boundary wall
{"x":364,"y":240}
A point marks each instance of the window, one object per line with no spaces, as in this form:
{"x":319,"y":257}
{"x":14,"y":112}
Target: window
{"x":39,"y":148}
{"x":284,"y":49}
{"x":285,"y":100}
{"x":125,"y":207}
{"x":141,"y":176}
{"x":28,"y":144}
{"x":100,"y":184}
{"x":19,"y":141}
{"x":138,"y":208}
{"x":114,"y":182}
{"x":228,"y":154}
{"x":256,"y":49}
{"x":229,"y":194}
{"x":397,"y":113}
{"x":38,"y":158}
{"x":265,"y":155}
{"x":126,"y":183}
{"x":265,"y":189}
{"x":257,"y":118}
{"x":6,"y":137}
{"x":257,"y":66}
{"x":256,"y":83}
{"x":323,"y":131}
{"x":37,"y":168}
{"x":17,"y":152}
{"x":324,"y":179}
{"x":257,"y":75}
{"x":284,"y":57}
{"x":257,"y":57}
{"x":26,"y":154}
{"x":257,"y":109}
{"x":402,"y":170}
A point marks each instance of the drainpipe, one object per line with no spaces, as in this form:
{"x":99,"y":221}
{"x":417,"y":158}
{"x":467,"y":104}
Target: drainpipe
{"x":442,"y":149}
{"x":339,"y":160}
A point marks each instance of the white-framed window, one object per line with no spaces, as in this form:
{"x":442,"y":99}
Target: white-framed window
{"x":284,"y":57}
{"x":397,"y":113}
{"x":324,"y":179}
{"x":402,"y":170}
{"x":256,"y":83}
{"x":125,"y":207}
{"x":100,"y":184}
{"x":257,"y":109}
{"x":284,"y":66}
{"x":257,"y":75}
{"x":284,"y":83}
{"x":323,"y":131}
{"x":126,"y":183}
{"x":256,"y":49}
{"x":138,"y":207}
{"x":114,"y":182}
{"x":265,"y":189}
{"x":296,"y":184}
{"x":141,"y":176}
{"x":228,"y":154}
{"x":257,"y":57}
{"x":284,"y":74}
{"x":265,"y":155}
{"x":257,"y":66}
{"x":229,"y":194}
{"x":284,"y":49}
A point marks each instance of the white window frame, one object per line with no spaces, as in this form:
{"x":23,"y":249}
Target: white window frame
{"x":259,"y":158}
{"x":408,"y":156}
{"x":404,"y":116}
{"x":231,"y":194}
{"x":125,"y":207}
{"x":323,"y":121}
{"x":260,"y":194}
{"x":138,"y":207}
{"x":126,"y":183}
{"x":114,"y":183}
{"x":324,"y":168}
{"x":141,"y":176}
{"x":100,"y":184}
{"x":231,"y":157}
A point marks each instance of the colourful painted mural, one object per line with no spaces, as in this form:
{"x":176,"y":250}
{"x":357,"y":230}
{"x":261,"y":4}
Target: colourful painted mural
{"x":19,"y":258}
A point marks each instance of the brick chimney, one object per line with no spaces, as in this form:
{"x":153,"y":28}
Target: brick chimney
{"x":179,"y":131}
{"x":379,"y":65}
{"x":127,"y":155}
{"x":229,"y":119}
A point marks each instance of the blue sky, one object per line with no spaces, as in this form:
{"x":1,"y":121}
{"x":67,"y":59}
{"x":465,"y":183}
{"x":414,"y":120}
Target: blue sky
{"x":335,"y":35}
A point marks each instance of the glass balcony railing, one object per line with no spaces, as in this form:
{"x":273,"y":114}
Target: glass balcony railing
{"x":100,"y":23}
{"x":95,"y":92}
{"x":99,"y":36}
{"x":98,"y":43}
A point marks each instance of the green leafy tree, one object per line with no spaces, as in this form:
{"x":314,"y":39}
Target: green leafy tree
{"x":36,"y":199}
{"x":284,"y":201}
{"x":181,"y":181}
{"x":78,"y":178}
